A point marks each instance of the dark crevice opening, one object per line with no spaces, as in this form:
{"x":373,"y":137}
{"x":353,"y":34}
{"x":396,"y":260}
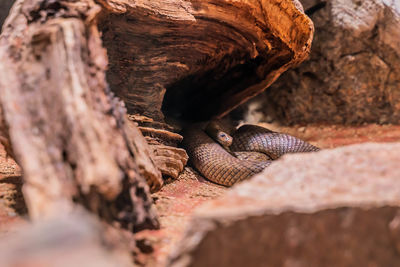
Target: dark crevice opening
{"x":198,"y":97}
{"x":315,"y":8}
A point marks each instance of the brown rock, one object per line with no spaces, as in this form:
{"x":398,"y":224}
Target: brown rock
{"x":353,"y":73}
{"x":76,"y":240}
{"x":337,"y":207}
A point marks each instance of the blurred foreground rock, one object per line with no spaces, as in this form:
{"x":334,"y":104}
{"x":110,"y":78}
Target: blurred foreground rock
{"x":78,"y":240}
{"x":353,"y":74}
{"x":336,"y":207}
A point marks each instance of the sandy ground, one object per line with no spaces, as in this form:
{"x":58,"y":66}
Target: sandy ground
{"x":177,"y":199}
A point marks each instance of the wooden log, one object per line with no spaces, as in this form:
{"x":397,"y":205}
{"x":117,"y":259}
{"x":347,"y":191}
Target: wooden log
{"x":193,"y":60}
{"x":69,"y":133}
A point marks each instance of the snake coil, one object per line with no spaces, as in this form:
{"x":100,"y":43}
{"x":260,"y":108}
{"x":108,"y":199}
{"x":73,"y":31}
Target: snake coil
{"x":218,"y":165}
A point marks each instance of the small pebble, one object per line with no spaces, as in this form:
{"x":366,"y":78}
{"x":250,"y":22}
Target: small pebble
{"x":302,"y":129}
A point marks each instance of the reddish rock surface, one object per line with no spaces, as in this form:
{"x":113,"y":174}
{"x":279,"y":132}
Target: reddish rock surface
{"x":70,"y":240}
{"x":337,"y":207}
{"x":177,"y":200}
{"x":353,"y":73}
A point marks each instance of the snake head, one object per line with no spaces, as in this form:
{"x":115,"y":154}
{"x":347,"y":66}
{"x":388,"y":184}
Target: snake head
{"x":215,"y":130}
{"x":224,"y":139}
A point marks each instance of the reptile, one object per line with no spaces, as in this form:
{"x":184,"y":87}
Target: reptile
{"x":227,"y":159}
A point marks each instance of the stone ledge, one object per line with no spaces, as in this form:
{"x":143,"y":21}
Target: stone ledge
{"x":336,"y":207}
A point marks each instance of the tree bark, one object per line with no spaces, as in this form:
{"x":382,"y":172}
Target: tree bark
{"x":69,"y":133}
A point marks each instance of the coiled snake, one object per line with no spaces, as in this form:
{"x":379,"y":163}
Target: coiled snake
{"x":225,"y":167}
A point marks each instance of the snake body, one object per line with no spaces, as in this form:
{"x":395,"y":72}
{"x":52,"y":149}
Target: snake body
{"x":256,"y":138}
{"x":219,"y":166}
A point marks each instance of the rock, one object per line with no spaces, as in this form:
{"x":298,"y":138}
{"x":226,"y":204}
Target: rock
{"x":353,"y":73}
{"x":337,"y":207}
{"x":66,"y":241}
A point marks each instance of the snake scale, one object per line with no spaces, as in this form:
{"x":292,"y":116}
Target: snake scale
{"x":218,"y":165}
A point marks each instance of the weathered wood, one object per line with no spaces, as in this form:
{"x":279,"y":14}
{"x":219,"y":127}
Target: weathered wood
{"x":68,"y":131}
{"x":196,"y":59}
{"x":144,"y":156}
{"x":170,"y":160}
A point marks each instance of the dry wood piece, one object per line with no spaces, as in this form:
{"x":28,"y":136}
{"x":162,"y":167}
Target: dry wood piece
{"x":67,"y":129}
{"x":170,"y":160}
{"x":158,"y":136}
{"x":196,"y":59}
{"x":144,"y":157}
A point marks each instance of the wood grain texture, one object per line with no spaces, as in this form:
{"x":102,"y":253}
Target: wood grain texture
{"x":68,"y":131}
{"x":197,"y":59}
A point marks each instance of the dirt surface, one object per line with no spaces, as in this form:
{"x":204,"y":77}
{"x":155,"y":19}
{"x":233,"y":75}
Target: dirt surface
{"x":177,"y":199}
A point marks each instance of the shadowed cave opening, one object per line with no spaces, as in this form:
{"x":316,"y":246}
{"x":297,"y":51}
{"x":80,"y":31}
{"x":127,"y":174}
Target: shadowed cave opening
{"x":169,"y":74}
{"x":199,"y":97}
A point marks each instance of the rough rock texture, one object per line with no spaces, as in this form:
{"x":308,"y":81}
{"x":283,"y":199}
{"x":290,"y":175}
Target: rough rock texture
{"x":353,"y":74}
{"x":77,"y":240}
{"x":196,"y":59}
{"x":337,"y":207}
